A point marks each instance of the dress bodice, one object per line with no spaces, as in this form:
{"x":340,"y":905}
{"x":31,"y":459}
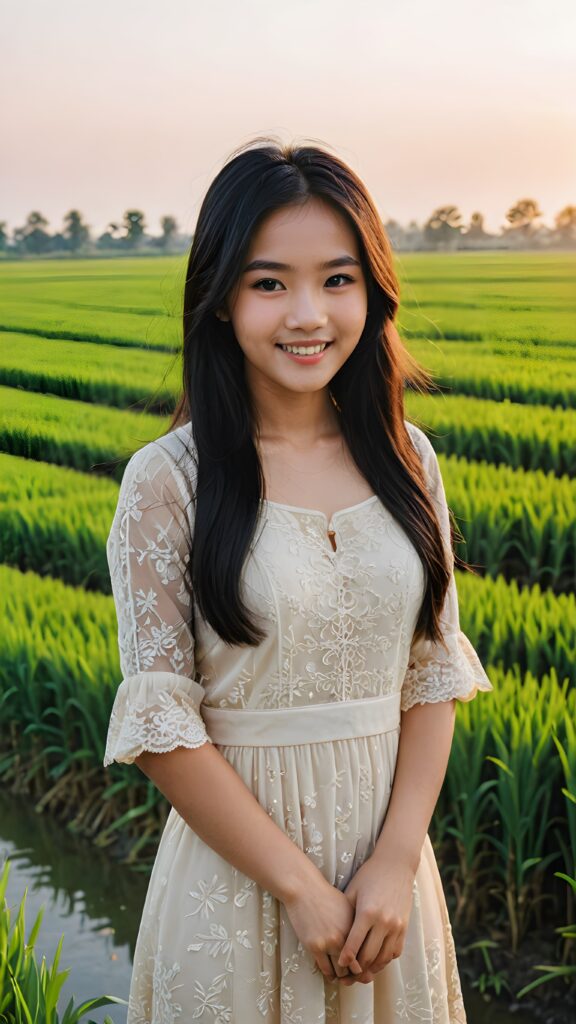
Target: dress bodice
{"x":339,"y":623}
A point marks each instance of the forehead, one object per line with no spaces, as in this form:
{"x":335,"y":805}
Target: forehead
{"x":312,"y":230}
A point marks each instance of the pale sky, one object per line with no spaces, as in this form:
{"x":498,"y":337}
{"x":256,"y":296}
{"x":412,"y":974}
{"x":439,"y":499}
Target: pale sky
{"x":111,"y":104}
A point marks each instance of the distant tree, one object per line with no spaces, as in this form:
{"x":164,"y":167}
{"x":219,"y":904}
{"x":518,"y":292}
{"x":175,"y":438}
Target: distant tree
{"x":111,"y":238}
{"x":444,"y":226}
{"x":75,"y":230}
{"x":476,"y":227}
{"x":397,"y":236}
{"x":106,"y":241}
{"x":169,"y":230}
{"x":412,"y":237}
{"x":522,"y":218}
{"x":33,"y":237}
{"x":134,"y":226}
{"x":59,"y":243}
{"x":3,"y":236}
{"x":565,"y":224}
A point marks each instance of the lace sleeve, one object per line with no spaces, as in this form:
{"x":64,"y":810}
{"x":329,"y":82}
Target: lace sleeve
{"x":157,"y":705}
{"x":434,"y":673}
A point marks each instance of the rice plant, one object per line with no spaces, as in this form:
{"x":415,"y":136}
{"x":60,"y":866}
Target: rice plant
{"x":512,"y":433}
{"x":534,"y":375}
{"x":72,"y":433}
{"x":30,"y":992}
{"x":104,"y":374}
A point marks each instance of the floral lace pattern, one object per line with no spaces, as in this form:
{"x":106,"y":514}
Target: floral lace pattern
{"x":155,"y":711}
{"x":339,"y":627}
{"x":436,"y":673}
{"x":157,"y":704}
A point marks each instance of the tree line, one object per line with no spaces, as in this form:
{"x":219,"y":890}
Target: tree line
{"x":444,"y":229}
{"x":129,"y":234}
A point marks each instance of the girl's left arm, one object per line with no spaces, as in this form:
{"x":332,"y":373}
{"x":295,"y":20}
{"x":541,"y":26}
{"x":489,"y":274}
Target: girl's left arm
{"x":437,"y":674}
{"x":423,"y":751}
{"x":382,"y":889}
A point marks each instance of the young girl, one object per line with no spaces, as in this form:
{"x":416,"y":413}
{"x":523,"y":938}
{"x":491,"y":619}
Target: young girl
{"x":283,"y":573}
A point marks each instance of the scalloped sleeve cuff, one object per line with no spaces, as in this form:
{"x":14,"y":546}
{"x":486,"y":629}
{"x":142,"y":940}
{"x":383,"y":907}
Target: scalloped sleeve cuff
{"x":155,"y":711}
{"x":444,"y":675}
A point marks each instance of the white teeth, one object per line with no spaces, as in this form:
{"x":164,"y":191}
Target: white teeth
{"x":304,"y":350}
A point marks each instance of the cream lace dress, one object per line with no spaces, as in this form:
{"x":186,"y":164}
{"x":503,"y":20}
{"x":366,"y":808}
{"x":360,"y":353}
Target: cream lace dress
{"x":310,"y":720}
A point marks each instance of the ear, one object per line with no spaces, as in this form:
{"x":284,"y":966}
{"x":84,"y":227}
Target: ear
{"x":222,"y":316}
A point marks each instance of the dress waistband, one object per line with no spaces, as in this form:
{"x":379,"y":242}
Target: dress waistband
{"x":313,"y":723}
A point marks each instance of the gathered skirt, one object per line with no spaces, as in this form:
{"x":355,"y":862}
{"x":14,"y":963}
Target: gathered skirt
{"x":214,"y":946}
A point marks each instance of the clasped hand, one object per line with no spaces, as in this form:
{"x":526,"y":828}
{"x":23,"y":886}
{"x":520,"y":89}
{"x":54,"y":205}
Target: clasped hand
{"x":353,"y":934}
{"x":381,"y":893}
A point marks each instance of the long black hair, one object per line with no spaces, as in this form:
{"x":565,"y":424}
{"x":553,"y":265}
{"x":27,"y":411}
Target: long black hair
{"x":260,"y":177}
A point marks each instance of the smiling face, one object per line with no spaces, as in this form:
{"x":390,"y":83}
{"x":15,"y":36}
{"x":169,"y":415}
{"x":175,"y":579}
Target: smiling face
{"x":319,"y":295}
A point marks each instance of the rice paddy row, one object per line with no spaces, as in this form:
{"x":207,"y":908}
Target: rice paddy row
{"x":536,"y":377}
{"x":75,"y":434}
{"x":121,"y":380}
{"x":124,"y":379}
{"x":520,"y":436}
{"x":528,"y":298}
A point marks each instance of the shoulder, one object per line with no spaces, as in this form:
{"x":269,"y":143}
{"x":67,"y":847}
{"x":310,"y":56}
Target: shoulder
{"x":428,"y":457}
{"x":165,"y":465}
{"x":421,"y":442}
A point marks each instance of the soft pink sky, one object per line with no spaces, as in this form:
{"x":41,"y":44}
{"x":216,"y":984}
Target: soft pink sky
{"x":120,"y":103}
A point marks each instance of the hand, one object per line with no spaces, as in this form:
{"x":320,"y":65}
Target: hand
{"x":322,"y":918}
{"x":381,"y":893}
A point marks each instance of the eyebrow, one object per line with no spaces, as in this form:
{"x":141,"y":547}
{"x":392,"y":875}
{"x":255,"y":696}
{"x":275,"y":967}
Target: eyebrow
{"x":340,"y":261}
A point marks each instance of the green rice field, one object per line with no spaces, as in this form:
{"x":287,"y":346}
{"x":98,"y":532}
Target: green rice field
{"x":90,"y":370}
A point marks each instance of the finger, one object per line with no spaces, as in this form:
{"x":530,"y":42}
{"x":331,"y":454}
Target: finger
{"x":350,"y":979}
{"x":356,"y":937}
{"x":390,"y":949}
{"x":352,"y":963}
{"x":352,"y":972}
{"x":355,"y":966}
{"x":341,"y":972}
{"x":325,"y":965}
{"x":373,"y":947}
{"x":364,"y":979}
{"x":383,"y":959}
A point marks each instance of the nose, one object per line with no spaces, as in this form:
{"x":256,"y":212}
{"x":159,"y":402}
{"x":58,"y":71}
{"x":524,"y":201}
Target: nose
{"x":306,"y":312}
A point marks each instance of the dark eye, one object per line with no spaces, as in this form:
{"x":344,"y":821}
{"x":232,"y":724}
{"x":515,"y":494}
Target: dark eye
{"x":272,"y":280}
{"x":345,"y":277}
{"x":266,"y":280}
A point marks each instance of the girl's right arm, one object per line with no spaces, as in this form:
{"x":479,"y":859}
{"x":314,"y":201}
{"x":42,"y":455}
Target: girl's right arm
{"x":213,"y":800}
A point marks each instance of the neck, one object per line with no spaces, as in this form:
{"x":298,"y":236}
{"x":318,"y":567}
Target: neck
{"x":298,"y":417}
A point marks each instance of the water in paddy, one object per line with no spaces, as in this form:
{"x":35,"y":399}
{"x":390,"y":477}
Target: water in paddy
{"x":93,"y":900}
{"x":97,"y":903}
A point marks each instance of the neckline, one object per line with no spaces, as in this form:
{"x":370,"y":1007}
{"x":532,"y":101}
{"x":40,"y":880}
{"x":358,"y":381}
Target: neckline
{"x":317,"y":511}
{"x":300,"y":508}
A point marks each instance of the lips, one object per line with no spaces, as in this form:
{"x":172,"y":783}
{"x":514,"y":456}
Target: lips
{"x":307,"y":357}
{"x":302,"y":344}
